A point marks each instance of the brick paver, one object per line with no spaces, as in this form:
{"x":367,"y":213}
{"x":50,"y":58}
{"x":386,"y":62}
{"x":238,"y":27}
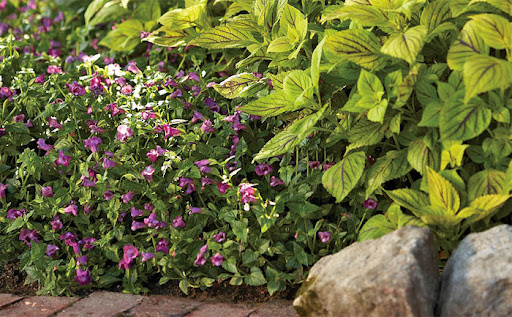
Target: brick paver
{"x":37,"y":306}
{"x":160,"y":305}
{"x":221,"y":309}
{"x":6,"y":299}
{"x":102,"y":304}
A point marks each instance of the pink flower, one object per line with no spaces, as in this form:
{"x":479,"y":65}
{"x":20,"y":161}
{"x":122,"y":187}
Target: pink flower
{"x":56,"y":223}
{"x":324,"y":236}
{"x":222,"y":187}
{"x":130,"y":252}
{"x":149,"y":207}
{"x":147,"y":256}
{"x":170,"y":131}
{"x":314,"y":164}
{"x":178,"y":222}
{"x":207,"y":126}
{"x":126,"y":90}
{"x":219,"y":237}
{"x":19,"y":118}
{"x":193,"y":76}
{"x":203,"y":166}
{"x":54,"y":70}
{"x":27,"y":236}
{"x":47,"y":191}
{"x":147,"y":173}
{"x":108,"y":195}
{"x":83,"y":277}
{"x":263,"y":169}
{"x":200,"y":260}
{"x":39,"y":79}
{"x":196,"y":116}
{"x":76,"y":89}
{"x":54,"y":124}
{"x":326,"y":166}
{"x":370,"y":204}
{"x":127,"y":197}
{"x":132,"y":67}
{"x":51,"y":250}
{"x":162,"y":246}
{"x":2,"y":190}
{"x":88,"y":243}
{"x":136,"y":225}
{"x":195,"y":210}
{"x":188,"y":184}
{"x":217,"y":259}
{"x":108,"y":163}
{"x":124,"y":132}
{"x":247,"y":193}
{"x":15,"y":213}
{"x":274,"y":181}
{"x":71,"y":209}
{"x":92,"y":143}
{"x":206,"y":181}
{"x":63,"y":159}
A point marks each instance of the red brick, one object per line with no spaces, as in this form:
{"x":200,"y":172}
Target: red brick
{"x":102,"y":304}
{"x":160,"y":305}
{"x":221,"y":309}
{"x":6,"y":299}
{"x":37,"y":306}
{"x":275,"y":309}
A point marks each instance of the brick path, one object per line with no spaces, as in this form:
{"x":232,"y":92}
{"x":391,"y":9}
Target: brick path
{"x":101,"y":303}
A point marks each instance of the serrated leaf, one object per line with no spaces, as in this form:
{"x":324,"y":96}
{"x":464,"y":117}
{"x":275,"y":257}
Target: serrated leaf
{"x":363,"y":15}
{"x":256,"y":277}
{"x":16,"y":128}
{"x":486,"y":206}
{"x":460,"y":122}
{"x":392,"y":166}
{"x":399,"y":219}
{"x":503,"y":5}
{"x":278,"y":79}
{"x":486,"y":182}
{"x":280,"y":45}
{"x":292,"y":18}
{"x":340,"y":179}
{"x":410,"y":199}
{"x":434,"y":14}
{"x":289,"y":138}
{"x":420,"y":156}
{"x":376,"y":227}
{"x":296,"y":83}
{"x":240,"y":85}
{"x":406,"y":45}
{"x":496,"y":31}
{"x":224,"y":36}
{"x":484,"y":73}
{"x":442,"y":193}
{"x":453,"y":155}
{"x":364,"y":133}
{"x":437,"y":216}
{"x":359,"y":46}
{"x":467,"y":45}
{"x":270,"y":105}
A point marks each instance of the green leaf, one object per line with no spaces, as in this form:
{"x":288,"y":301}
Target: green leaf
{"x":364,"y":133}
{"x":376,"y":113}
{"x":484,"y":73}
{"x":420,"y":156}
{"x":430,"y":115}
{"x":442,"y":193}
{"x":453,"y":155}
{"x":363,"y":15}
{"x":293,"y":19}
{"x":359,"y":46}
{"x":169,"y":38}
{"x":93,"y":8}
{"x":148,"y":10}
{"x":397,"y":217}
{"x":225,"y":36}
{"x":406,"y":45}
{"x":407,"y":85}
{"x":117,"y":40}
{"x":16,"y":224}
{"x":180,"y":19}
{"x":16,"y":128}
{"x":376,"y":227}
{"x":278,"y":79}
{"x":315,"y":62}
{"x":503,"y":5}
{"x":484,"y":206}
{"x":508,"y":184}
{"x":369,"y":84}
{"x":256,"y":277}
{"x":460,"y":122}
{"x":289,"y":138}
{"x":240,"y":85}
{"x":270,"y":105}
{"x":410,"y":199}
{"x":110,"y":11}
{"x":340,"y":179}
{"x":486,"y":182}
{"x":393,"y":165}
{"x":280,"y":45}
{"x":296,"y":83}
{"x":467,"y":45}
{"x":496,"y":31}
{"x":435,"y":13}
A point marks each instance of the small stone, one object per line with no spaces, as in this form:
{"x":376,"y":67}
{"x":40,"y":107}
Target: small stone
{"x":477,"y":279}
{"x":395,"y":275}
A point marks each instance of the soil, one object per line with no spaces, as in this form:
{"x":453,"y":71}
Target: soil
{"x":13,"y":281}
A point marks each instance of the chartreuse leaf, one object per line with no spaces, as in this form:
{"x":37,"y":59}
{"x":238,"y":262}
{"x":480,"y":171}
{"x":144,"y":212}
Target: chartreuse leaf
{"x":169,"y":37}
{"x":363,"y":15}
{"x":397,"y":217}
{"x":356,"y":2}
{"x":406,"y":45}
{"x":393,"y":165}
{"x":108,"y":11}
{"x":468,"y":44}
{"x":460,"y":122}
{"x":240,"y":85}
{"x":503,"y":5}
{"x":486,"y":182}
{"x":224,"y":36}
{"x":369,"y":84}
{"x":483,"y":207}
{"x":280,"y":45}
{"x":270,"y":105}
{"x":278,"y":79}
{"x":484,"y":73}
{"x":376,"y":114}
{"x":495,"y":30}
{"x":289,"y":138}
{"x":316,"y":59}
{"x":364,"y":133}
{"x":410,"y":199}
{"x":376,"y":227}
{"x":93,"y":7}
{"x":292,"y":20}
{"x":442,"y":193}
{"x":437,"y":216}
{"x":406,"y":86}
{"x":340,"y":179}
{"x":508,"y":179}
{"x":296,"y":83}
{"x":179,"y":19}
{"x":420,"y":156}
{"x":359,"y":46}
{"x":453,"y":155}
{"x":435,"y":13}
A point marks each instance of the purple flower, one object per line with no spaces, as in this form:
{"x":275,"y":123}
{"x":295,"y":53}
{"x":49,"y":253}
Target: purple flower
{"x":51,"y":250}
{"x":54,"y":70}
{"x":147,"y":256}
{"x":206,"y":181}
{"x":170,"y":131}
{"x":47,"y":191}
{"x":219,"y":237}
{"x":136,"y":212}
{"x":108,"y":163}
{"x":200,"y":260}
{"x":54,"y":124}
{"x":28,"y":236}
{"x":196,"y":116}
{"x":326,"y":166}
{"x":155,"y":153}
{"x":83,"y":277}
{"x":76,"y":89}
{"x":195,"y":210}
{"x":2,"y":190}
{"x":127,"y":197}
{"x":5,"y":92}
{"x":41,"y":143}
{"x":188,"y":184}
{"x":71,"y":209}
{"x":19,"y":118}
{"x":247,"y":193}
{"x":130,"y":253}
{"x":59,"y":17}
{"x":132,"y":67}
{"x":126,"y":90}
{"x":151,"y":220}
{"x":274,"y":181}
{"x":82,"y":260}
{"x":203,"y":166}
{"x":56,"y":223}
{"x":222,"y":187}
{"x":15,"y":213}
{"x":39,"y":79}
{"x":193,"y":76}
{"x":217,"y":259}
{"x":263,"y":169}
{"x":207,"y":126}
{"x":149,"y":207}
{"x":324,"y":236}
{"x":86,"y":182}
{"x":68,"y":237}
{"x":147,"y":173}
{"x":136,"y":225}
{"x":124,"y":132}
{"x":176,"y":94}
{"x":162,"y":246}
{"x":63,"y":159}
{"x":108,"y":195}
{"x":92,"y":143}
{"x":370,"y":204}
{"x":178,"y":222}
{"x":314,"y":164}
{"x":88,"y":243}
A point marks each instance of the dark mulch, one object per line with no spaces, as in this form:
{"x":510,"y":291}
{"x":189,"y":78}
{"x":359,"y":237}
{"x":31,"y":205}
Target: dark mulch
{"x":13,"y":281}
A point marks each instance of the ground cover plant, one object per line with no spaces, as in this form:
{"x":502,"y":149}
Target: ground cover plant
{"x":242,"y":140}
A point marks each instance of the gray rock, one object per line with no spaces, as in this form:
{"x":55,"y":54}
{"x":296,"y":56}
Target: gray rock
{"x":395,"y":275}
{"x":477,"y":280}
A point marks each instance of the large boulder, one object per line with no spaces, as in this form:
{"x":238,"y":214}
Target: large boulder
{"x":396,"y":275}
{"x":477,"y":280}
